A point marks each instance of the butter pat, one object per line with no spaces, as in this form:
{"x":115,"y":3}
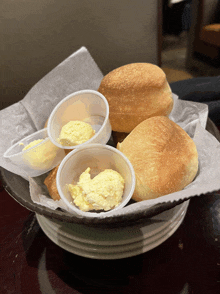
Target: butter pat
{"x":75,"y":133}
{"x":103,"y":192}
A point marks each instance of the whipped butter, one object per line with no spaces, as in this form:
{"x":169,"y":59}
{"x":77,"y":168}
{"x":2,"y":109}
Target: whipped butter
{"x":33,"y":143}
{"x":75,"y":133}
{"x":103,"y":192}
{"x":41,"y":156}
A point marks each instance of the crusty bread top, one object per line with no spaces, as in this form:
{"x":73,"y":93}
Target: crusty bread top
{"x":136,"y":92}
{"x":164,"y":157}
{"x":137,"y":75}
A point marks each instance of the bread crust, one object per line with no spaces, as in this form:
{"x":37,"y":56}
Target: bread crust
{"x":164,"y":157}
{"x":51,"y":185}
{"x":136,"y":92}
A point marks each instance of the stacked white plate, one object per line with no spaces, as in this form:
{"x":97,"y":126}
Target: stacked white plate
{"x":114,"y":243}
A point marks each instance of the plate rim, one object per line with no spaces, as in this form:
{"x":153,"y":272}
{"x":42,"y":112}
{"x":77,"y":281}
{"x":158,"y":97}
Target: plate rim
{"x":94,"y":248}
{"x":126,"y":254}
{"x":183,"y":207}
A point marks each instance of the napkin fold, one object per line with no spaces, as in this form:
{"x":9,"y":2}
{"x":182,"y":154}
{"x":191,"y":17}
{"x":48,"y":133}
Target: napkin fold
{"x":78,"y":72}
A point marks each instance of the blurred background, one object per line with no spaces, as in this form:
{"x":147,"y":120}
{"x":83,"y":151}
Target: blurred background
{"x":190,"y":38}
{"x":174,"y":34}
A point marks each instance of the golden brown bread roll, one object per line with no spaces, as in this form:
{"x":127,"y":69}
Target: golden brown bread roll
{"x":45,"y":125}
{"x":136,"y":92}
{"x":164,"y":157}
{"x":51,"y":185}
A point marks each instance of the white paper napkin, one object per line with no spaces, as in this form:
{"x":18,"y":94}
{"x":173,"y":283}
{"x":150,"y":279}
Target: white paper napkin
{"x":78,"y":72}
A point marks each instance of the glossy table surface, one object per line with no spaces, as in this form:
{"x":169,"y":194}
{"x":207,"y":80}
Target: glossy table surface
{"x":188,"y":262}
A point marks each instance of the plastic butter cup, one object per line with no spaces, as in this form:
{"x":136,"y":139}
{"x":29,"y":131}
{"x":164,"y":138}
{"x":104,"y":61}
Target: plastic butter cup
{"x":98,"y":157}
{"x":88,"y":106}
{"x":38,"y":159}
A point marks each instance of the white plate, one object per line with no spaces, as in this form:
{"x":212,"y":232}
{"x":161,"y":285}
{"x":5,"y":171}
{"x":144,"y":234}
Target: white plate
{"x":58,"y":236}
{"x":49,"y":226}
{"x":126,"y":251}
{"x":111,"y":250}
{"x":120,"y":235}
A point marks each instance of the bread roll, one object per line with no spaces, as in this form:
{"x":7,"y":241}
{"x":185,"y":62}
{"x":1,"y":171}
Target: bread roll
{"x":46,"y":123}
{"x":164,"y":157}
{"x":136,"y":92}
{"x":51,"y":185}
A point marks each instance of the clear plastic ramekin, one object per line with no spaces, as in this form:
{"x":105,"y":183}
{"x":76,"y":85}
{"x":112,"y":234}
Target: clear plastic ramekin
{"x":88,"y":106}
{"x":98,"y":157}
{"x":38,"y":159}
